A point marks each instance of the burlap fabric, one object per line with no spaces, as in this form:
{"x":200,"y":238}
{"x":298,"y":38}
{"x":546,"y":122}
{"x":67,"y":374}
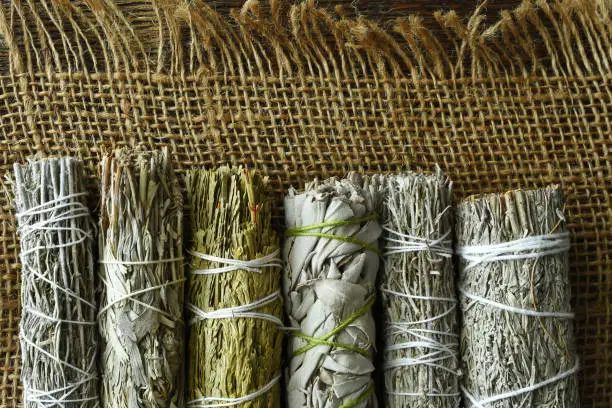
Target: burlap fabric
{"x":300,"y":93}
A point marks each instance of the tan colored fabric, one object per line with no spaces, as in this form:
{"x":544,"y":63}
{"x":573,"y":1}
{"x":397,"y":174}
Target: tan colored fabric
{"x":299,"y":93}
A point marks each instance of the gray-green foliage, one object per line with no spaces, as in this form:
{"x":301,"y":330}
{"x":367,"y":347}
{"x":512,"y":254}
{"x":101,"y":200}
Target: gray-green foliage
{"x":425,"y":330}
{"x":58,"y":333}
{"x":140,"y":245}
{"x":328,"y":281}
{"x":504,"y":351}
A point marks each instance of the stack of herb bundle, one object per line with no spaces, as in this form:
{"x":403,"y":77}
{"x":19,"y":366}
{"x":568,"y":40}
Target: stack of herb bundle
{"x":421,"y":334}
{"x":517,"y":341}
{"x":141,"y":310}
{"x":58,"y":329}
{"x":235,"y":341}
{"x":332,"y":258}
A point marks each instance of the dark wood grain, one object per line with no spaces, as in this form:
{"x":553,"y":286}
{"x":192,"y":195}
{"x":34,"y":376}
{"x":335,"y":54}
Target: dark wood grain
{"x":385,"y":11}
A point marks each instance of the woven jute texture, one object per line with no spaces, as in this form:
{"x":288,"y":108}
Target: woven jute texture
{"x":298,"y":92}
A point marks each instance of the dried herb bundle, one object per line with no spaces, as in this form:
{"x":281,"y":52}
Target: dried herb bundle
{"x":515,"y":299}
{"x":235,"y":341}
{"x":58,"y":330}
{"x":141,"y":310}
{"x":421,"y":334}
{"x":332,"y":258}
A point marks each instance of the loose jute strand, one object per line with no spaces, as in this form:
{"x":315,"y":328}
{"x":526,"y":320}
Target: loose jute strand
{"x":421,"y":344}
{"x":515,"y":302}
{"x":58,"y":327}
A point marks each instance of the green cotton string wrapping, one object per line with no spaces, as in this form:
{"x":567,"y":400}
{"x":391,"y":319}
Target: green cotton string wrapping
{"x":313,"y":341}
{"x":331,"y":260}
{"x":306,"y":231}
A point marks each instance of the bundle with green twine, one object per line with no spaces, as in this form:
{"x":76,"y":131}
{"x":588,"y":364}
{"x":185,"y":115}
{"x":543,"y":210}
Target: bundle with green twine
{"x":234,"y":300}
{"x":331,"y":261}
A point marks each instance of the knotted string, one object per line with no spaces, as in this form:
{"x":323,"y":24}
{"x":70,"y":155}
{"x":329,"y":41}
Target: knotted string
{"x":525,"y":248}
{"x":216,"y":402}
{"x":254,"y":265}
{"x":307,"y":231}
{"x":242,"y":311}
{"x":73,"y":209}
{"x":397,"y":243}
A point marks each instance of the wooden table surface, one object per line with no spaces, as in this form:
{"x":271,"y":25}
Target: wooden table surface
{"x":384,"y":11}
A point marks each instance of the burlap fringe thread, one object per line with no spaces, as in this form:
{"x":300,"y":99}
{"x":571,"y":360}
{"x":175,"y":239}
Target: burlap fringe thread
{"x":161,"y":40}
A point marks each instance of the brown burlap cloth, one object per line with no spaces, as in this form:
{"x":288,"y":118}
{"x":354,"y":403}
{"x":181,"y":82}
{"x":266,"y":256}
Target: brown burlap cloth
{"x":300,"y":93}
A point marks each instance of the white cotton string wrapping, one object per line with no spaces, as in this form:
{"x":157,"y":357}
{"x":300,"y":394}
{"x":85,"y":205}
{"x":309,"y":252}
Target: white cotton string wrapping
{"x":234,"y":303}
{"x":142,"y":281}
{"x":216,"y":402}
{"x":58,"y":323}
{"x":517,"y":338}
{"x":419,"y":304}
{"x":271,"y":260}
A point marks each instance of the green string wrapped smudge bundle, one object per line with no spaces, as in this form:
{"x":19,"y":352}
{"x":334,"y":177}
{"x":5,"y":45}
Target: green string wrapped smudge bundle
{"x":142,"y":280}
{"x":234,"y":301}
{"x":331,"y":258}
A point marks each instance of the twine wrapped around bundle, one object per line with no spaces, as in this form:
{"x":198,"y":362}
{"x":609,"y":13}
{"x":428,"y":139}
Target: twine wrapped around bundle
{"x":141,"y":274}
{"x":517,"y":341}
{"x":58,"y":323}
{"x":331,"y":258}
{"x":421,"y":332}
{"x":234,"y":299}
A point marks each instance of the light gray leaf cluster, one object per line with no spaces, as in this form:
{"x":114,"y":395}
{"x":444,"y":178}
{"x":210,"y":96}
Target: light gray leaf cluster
{"x":326,"y":282}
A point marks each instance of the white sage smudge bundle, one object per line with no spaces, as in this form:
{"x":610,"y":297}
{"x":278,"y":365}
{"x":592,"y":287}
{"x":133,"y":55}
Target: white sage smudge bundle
{"x":331,"y":262}
{"x":141,"y":310}
{"x":417,"y":285}
{"x":235,"y":304}
{"x":517,"y":341}
{"x":58,"y":322}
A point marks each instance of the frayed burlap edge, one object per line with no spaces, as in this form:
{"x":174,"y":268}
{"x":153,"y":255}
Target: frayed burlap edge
{"x":169,"y":38}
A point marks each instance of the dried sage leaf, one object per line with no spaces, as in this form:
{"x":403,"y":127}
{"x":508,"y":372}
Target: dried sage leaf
{"x":331,"y":263}
{"x":142,"y":279}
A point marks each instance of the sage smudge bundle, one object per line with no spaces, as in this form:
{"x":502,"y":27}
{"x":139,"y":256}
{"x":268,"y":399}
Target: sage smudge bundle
{"x":417,"y":285}
{"x":234,"y":299}
{"x":58,"y":322}
{"x":141,"y":310}
{"x":517,"y":341}
{"x":331,"y":258}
